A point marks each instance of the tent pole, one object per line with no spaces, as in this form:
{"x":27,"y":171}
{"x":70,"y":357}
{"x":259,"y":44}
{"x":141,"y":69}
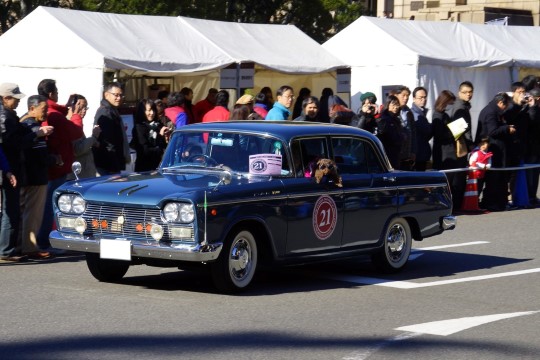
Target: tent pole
{"x":237,"y":81}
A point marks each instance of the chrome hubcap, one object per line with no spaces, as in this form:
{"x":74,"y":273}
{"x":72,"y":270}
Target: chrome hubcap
{"x":396,"y":241}
{"x":240,"y":260}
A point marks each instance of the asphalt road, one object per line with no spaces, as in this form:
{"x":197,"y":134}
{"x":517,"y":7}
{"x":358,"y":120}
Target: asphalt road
{"x":471,"y":293}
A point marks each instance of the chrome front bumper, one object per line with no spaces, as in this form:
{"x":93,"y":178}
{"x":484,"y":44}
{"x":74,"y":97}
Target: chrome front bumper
{"x":155,"y":250}
{"x":448,"y":222}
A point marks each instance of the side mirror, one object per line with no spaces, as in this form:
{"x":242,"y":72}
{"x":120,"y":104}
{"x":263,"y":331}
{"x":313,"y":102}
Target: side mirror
{"x":76,"y":167}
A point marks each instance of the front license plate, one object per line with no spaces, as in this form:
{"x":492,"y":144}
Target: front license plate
{"x":115,"y":249}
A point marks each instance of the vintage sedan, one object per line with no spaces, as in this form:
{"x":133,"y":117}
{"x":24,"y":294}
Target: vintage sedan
{"x":234,"y":196}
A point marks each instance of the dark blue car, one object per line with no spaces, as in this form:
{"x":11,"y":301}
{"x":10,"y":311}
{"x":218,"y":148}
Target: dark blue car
{"x":233,"y":196}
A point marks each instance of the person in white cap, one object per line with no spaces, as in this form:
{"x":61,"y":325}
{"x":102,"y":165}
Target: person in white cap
{"x":14,"y":140}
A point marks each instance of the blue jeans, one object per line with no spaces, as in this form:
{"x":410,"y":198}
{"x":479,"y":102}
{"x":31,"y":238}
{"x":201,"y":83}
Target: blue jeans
{"x":9,"y":232}
{"x":48,"y":215}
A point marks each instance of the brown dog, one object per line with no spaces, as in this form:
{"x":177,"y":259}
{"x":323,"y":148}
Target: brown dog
{"x":327,"y":171}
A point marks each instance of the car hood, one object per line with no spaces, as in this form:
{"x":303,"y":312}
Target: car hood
{"x":146,"y":189}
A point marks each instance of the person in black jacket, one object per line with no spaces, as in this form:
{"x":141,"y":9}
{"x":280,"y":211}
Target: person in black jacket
{"x":424,"y":131}
{"x":461,"y":109}
{"x":112,"y":153}
{"x":14,"y":140}
{"x":533,"y":147}
{"x":390,"y":131}
{"x":35,"y":162}
{"x":368,"y":113}
{"x":408,"y":147}
{"x":492,"y":124}
{"x":148,"y":136}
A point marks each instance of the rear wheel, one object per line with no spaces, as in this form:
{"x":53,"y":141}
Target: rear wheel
{"x":236,"y":265}
{"x":106,"y":270}
{"x":397,"y":246}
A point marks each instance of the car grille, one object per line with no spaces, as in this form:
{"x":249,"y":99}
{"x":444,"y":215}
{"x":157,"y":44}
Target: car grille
{"x":129,"y":223}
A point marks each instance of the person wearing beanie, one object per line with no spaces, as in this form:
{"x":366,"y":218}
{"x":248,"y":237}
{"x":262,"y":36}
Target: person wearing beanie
{"x":368,"y":112}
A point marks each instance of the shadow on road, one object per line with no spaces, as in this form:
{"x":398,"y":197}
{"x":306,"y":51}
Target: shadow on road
{"x":241,"y":344}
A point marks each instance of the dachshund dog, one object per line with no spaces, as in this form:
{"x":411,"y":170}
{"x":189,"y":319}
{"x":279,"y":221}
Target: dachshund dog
{"x":327,"y":171}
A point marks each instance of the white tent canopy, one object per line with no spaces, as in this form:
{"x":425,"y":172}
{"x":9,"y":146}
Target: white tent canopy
{"x":158,"y":43}
{"x":384,"y":53}
{"x":76,"y":48}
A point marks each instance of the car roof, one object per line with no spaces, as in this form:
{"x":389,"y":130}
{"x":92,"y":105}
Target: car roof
{"x":282,"y":129}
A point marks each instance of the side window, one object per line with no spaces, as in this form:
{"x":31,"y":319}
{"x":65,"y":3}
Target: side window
{"x":306,"y":153}
{"x":355,"y":156}
{"x":374,"y":163}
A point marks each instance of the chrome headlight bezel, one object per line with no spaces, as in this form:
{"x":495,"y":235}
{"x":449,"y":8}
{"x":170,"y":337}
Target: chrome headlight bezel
{"x":71,"y":204}
{"x":179,"y":212}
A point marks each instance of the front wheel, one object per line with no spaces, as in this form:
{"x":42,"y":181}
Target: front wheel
{"x":236,"y":265}
{"x":396,"y":248}
{"x":106,"y":270}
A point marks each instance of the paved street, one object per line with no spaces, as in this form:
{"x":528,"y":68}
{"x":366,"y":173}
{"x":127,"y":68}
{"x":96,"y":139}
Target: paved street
{"x":472,"y":293}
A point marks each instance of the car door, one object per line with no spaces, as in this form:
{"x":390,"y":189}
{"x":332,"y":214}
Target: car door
{"x":368,"y":192}
{"x":314,"y":210}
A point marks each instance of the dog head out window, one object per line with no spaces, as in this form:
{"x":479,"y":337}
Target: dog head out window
{"x":306,"y":153}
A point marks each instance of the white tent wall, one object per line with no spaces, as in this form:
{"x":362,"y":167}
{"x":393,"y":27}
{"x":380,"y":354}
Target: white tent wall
{"x":486,"y":81}
{"x":436,"y":55}
{"x":373,"y":79}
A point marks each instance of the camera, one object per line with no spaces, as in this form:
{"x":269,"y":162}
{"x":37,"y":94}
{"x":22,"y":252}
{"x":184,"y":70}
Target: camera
{"x":72,"y":101}
{"x":526,"y":99}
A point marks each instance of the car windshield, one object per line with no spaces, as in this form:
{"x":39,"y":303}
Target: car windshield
{"x":236,"y":152}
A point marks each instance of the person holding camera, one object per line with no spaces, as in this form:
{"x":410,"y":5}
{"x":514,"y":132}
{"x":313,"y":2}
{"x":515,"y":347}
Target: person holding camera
{"x":368,"y":114}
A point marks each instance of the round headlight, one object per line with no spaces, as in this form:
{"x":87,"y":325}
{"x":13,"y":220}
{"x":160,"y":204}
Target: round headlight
{"x":64,"y":203}
{"x":170,"y":212}
{"x":80,"y":225}
{"x":187,"y":214}
{"x":78,"y":205}
{"x":156,"y":231}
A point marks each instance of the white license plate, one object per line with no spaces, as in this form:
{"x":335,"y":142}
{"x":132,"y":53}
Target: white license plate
{"x":115,"y":249}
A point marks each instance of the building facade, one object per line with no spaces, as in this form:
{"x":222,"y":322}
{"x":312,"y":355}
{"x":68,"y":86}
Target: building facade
{"x":524,"y":13}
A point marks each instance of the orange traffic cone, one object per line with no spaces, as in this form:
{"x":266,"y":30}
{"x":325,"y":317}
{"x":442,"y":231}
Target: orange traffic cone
{"x":470,"y":198}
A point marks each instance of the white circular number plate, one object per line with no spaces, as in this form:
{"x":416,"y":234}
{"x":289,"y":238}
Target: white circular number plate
{"x":324,"y":217}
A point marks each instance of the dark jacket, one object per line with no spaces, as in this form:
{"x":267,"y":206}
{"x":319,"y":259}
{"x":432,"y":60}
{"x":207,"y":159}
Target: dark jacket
{"x":392,"y":135}
{"x":461,"y":109}
{"x":444,"y":145}
{"x":424,"y":133}
{"x":304,"y":117}
{"x":35,"y":159}
{"x":148,"y":144}
{"x":15,"y":139}
{"x":408,"y":147}
{"x":533,"y":134}
{"x":492,"y":124}
{"x":110,"y":154}
{"x":520,"y":116}
{"x":367,"y":121}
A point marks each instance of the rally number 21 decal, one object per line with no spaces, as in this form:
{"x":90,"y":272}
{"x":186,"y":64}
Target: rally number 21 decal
{"x":324,"y":217}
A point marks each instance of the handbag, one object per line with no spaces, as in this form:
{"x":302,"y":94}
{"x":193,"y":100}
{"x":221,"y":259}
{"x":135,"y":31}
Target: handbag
{"x":461,"y":147}
{"x":340,"y":114}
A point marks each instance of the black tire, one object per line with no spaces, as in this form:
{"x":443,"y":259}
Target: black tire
{"x":397,"y":243}
{"x":234,"y":269}
{"x":106,"y":270}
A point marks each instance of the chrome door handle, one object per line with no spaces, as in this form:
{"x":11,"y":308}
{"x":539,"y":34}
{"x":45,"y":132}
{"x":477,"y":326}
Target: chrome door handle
{"x":389,"y":178}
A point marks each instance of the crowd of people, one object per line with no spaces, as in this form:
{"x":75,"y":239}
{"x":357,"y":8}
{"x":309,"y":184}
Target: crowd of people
{"x":38,"y":148}
{"x":507,"y":136}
